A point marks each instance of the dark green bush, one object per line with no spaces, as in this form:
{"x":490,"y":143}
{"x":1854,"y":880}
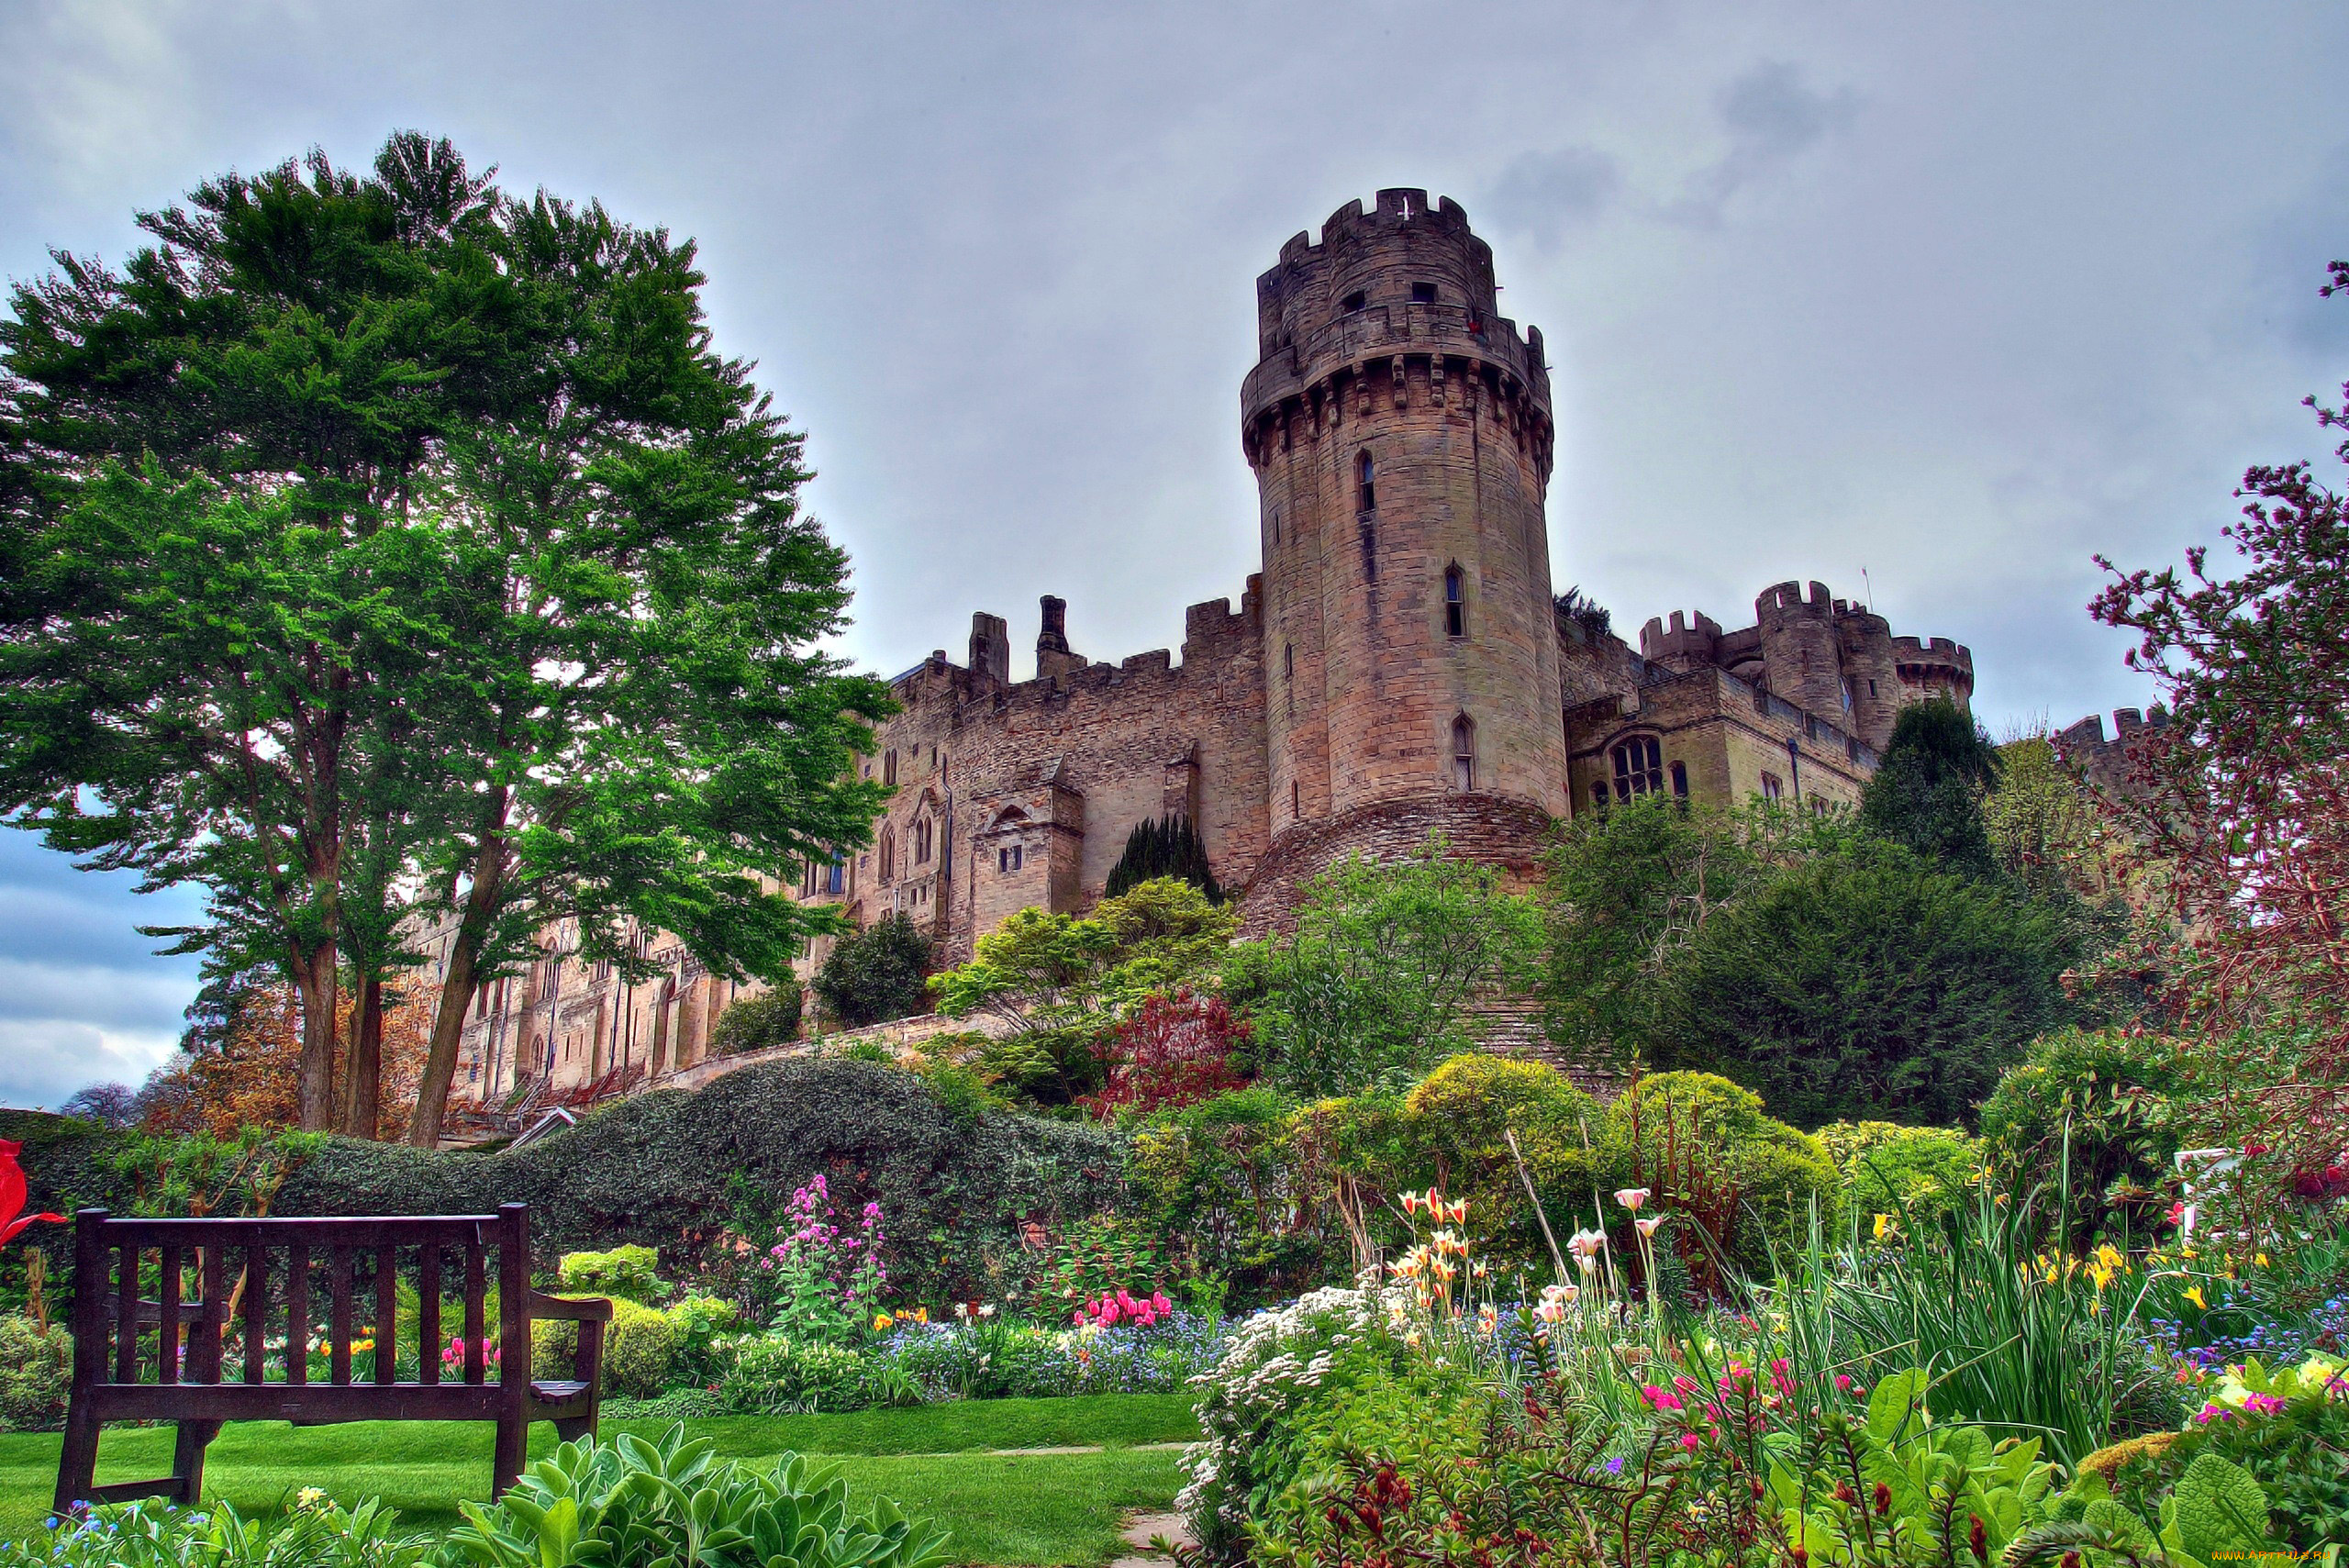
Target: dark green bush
{"x":754,"y":1023}
{"x":670,"y":1169}
{"x":875,"y":974}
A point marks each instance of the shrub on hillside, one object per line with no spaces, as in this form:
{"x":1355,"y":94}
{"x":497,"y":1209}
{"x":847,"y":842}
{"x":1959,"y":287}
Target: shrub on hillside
{"x":1890,"y":1169}
{"x":1865,"y":979}
{"x":674,"y":1168}
{"x":36,"y":1374}
{"x":625,"y":1271}
{"x":1457,"y":1128}
{"x":754,"y":1023}
{"x":876,"y":974}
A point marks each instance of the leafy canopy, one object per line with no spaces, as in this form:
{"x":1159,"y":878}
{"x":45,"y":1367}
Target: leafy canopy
{"x":1375,"y":985}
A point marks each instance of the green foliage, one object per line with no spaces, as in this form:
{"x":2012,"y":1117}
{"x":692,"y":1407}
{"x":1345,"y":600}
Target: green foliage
{"x":1927,"y":793}
{"x":521,"y":615}
{"x":754,"y":1023}
{"x":1890,"y":1169}
{"x":674,"y":1501}
{"x":1747,"y":1181}
{"x":1056,"y":985}
{"x":700,"y":1324}
{"x":874,"y":975}
{"x":659,"y":1167}
{"x":2107,"y":1103}
{"x":152,"y":1534}
{"x":639,"y":1350}
{"x":777,"y":1374}
{"x":1628,"y":888}
{"x":1375,"y":984}
{"x":1168,"y":846}
{"x":1455,"y":1135}
{"x":2026,"y":1343}
{"x":36,"y":1374}
{"x":628,"y":1271}
{"x":2281,"y":1431}
{"x":1864,"y":979}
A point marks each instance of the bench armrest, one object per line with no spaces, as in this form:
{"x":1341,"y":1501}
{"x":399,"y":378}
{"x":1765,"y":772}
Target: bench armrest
{"x":571,"y":1309}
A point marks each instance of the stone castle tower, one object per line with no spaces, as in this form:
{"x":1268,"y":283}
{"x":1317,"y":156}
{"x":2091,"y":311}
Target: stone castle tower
{"x":1400,"y":433}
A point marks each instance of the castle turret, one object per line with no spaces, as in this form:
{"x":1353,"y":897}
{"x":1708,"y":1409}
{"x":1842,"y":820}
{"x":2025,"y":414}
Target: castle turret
{"x":1400,"y":433}
{"x":1934,"y":667}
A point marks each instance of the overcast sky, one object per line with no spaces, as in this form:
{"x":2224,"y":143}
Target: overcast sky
{"x":1958,"y":295}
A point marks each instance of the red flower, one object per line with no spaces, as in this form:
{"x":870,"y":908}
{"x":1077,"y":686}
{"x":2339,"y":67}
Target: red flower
{"x":12,"y":1196}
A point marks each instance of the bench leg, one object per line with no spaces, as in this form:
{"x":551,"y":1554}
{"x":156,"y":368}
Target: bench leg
{"x":187,"y":1458}
{"x":513,"y":1449}
{"x":570,"y":1429}
{"x":77,"y":1466}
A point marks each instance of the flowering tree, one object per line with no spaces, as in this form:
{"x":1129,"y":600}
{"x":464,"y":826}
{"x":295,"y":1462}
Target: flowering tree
{"x":2243,"y":799}
{"x":827,"y":1278}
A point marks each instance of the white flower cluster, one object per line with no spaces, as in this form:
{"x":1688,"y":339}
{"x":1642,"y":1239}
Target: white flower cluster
{"x":1271,"y":1364}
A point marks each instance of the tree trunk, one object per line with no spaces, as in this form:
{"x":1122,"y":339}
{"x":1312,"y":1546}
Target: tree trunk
{"x":317,"y":980}
{"x":363,"y":1078}
{"x":458,"y":986}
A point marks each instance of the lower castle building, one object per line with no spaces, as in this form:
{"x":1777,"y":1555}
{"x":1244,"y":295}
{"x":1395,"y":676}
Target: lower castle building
{"x":1401,"y":666}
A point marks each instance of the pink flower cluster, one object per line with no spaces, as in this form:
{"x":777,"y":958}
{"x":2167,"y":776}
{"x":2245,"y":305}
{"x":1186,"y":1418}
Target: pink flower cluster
{"x":454,"y":1358}
{"x":1117,"y":1306}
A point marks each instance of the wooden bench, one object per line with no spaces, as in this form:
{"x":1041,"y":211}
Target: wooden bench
{"x":188,"y":1336}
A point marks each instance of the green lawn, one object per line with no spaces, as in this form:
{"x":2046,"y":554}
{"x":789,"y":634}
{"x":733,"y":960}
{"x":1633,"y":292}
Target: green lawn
{"x":1002,"y":1507}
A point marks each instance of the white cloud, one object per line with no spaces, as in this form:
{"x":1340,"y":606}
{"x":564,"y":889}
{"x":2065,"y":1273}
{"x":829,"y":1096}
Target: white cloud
{"x":43,"y":1060}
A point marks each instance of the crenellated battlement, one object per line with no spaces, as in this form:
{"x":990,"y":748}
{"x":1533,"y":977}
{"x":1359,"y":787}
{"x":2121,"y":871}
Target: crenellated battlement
{"x":1681,"y":640}
{"x":1388,"y":302}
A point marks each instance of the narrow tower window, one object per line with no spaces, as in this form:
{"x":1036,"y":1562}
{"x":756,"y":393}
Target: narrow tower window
{"x":889,"y":854}
{"x":1423,"y":294}
{"x":1455,"y":603}
{"x":1366,"y":489}
{"x":1463,"y":753}
{"x":1296,"y":801}
{"x":889,"y":766}
{"x":1680,"y":780}
{"x":1276,"y":525}
{"x":1354,"y":301}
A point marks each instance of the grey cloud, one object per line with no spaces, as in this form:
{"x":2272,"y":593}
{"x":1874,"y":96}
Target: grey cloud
{"x":1958,"y":293}
{"x":42,"y":1062}
{"x":1774,"y":117}
{"x":1548,"y":194}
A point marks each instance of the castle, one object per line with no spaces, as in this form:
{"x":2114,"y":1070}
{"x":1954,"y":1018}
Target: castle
{"x":1400,"y":667}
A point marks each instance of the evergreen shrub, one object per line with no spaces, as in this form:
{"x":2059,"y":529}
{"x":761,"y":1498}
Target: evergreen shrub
{"x":755,"y":1023}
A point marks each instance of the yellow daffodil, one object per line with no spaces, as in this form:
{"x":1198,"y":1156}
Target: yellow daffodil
{"x":2194,"y":1294}
{"x":1884,"y":1225}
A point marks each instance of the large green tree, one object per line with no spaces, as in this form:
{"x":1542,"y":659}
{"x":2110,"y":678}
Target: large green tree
{"x":1927,"y":792}
{"x":377,"y":536}
{"x":1867,"y":982}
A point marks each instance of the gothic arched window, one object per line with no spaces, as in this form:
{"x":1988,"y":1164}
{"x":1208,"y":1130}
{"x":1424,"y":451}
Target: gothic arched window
{"x":889,"y":854}
{"x":1366,"y":486}
{"x":1455,"y":602}
{"x":1463,"y":753}
{"x":1639,"y":766}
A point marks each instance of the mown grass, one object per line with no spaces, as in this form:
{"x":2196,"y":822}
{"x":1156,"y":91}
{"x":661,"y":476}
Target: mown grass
{"x":1008,"y":1508}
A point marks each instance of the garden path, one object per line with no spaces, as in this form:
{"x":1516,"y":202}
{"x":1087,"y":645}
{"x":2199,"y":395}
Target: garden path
{"x":1141,"y":1529}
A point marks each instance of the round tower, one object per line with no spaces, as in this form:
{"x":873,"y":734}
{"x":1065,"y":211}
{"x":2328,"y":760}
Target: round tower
{"x":1400,"y":432}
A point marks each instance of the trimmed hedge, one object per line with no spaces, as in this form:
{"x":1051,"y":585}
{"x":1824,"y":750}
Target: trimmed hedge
{"x":670,"y":1169}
